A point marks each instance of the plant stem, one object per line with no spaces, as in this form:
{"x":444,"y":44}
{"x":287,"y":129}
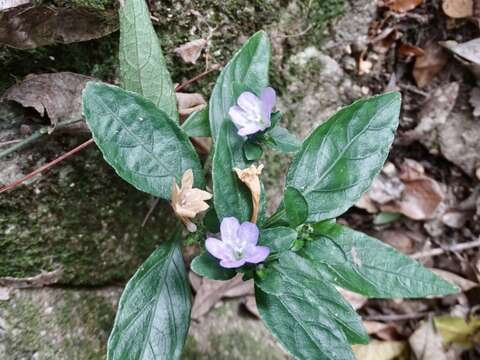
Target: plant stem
{"x":46,"y":166}
{"x":196,"y":78}
{"x":34,"y":137}
{"x":453,"y":248}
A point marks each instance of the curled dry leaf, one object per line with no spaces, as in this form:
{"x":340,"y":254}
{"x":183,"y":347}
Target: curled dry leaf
{"x":458,"y":8}
{"x":251,"y":305}
{"x":27,"y":27}
{"x":426,"y":343}
{"x":422,"y":195}
{"x":250,"y":177}
{"x":188,"y":202}
{"x":429,"y":64}
{"x":402,"y":6}
{"x":58,"y":95}
{"x":189,"y":103}
{"x":190,"y":52}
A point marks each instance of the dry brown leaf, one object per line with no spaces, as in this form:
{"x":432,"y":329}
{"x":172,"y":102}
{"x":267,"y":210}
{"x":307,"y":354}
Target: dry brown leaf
{"x":190,"y":52}
{"x":8,"y":4}
{"x":426,"y":343}
{"x":458,"y":8}
{"x":475,"y":101}
{"x":356,"y":300}
{"x":387,"y":186}
{"x":381,"y":350}
{"x":422,"y":195}
{"x":59,"y":95}
{"x":189,"y":103}
{"x":399,"y":240}
{"x":429,"y":64}
{"x":251,"y":305}
{"x":469,"y":50}
{"x":367,"y":204}
{"x":462,"y":283}
{"x":40,"y":280}
{"x":212,"y":291}
{"x":402,"y":6}
{"x":27,"y":27}
{"x":384,"y":331}
{"x":410,"y":50}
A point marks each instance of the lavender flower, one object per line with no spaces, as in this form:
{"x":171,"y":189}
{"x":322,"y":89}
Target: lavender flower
{"x":252,"y":113}
{"x":238,"y":245}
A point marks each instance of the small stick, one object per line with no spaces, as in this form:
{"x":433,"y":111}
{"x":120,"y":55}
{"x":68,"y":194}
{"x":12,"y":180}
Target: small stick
{"x":196,"y":78}
{"x":150,"y":211}
{"x":9,"y":142}
{"x":46,"y":166}
{"x":453,"y":248}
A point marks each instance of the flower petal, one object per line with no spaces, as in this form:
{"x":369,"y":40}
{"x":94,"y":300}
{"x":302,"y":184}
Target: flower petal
{"x":187,"y":180}
{"x":238,"y":116}
{"x":228,"y":230}
{"x":257,"y":254}
{"x":250,"y":103}
{"x":268,"y":99}
{"x":248,"y":232}
{"x":230,"y":264}
{"x":250,"y":129}
{"x":218,"y":249}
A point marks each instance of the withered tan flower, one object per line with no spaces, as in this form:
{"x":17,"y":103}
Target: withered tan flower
{"x":250,"y":177}
{"x":187,"y":201}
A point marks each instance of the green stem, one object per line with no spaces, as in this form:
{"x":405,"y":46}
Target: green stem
{"x":34,"y":137}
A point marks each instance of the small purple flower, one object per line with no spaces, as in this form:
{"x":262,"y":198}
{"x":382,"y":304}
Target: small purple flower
{"x":252,"y":113}
{"x":238,"y":245}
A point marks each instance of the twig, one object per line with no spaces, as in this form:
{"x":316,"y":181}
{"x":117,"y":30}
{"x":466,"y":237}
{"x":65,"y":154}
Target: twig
{"x":395,"y":317}
{"x":35,"y":136}
{"x":9,"y":142}
{"x":452,"y":248}
{"x":150,"y":211}
{"x":196,"y":78}
{"x":46,"y":166}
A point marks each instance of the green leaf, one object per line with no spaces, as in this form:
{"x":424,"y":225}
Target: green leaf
{"x":386,"y":218}
{"x":142,"y":65}
{"x":278,"y":239}
{"x":144,"y":146}
{"x":296,"y":206}
{"x":154,"y":311}
{"x":247,"y":69}
{"x":284,"y":141}
{"x":231,"y":196}
{"x":207,"y":266}
{"x":197,"y":124}
{"x":339,"y":160}
{"x":252,"y":151}
{"x":308,"y":316}
{"x":368,"y":266}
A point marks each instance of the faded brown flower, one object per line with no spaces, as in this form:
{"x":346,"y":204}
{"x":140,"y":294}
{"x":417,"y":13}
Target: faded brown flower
{"x":187,"y":201}
{"x":250,"y":177}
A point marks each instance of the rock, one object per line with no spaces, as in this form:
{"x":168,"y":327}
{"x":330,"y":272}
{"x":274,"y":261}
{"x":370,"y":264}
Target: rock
{"x":57,"y":323}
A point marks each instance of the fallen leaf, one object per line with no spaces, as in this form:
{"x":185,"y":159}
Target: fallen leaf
{"x":462,"y":283}
{"x":8,"y":4}
{"x":454,"y":219}
{"x":251,"y":305}
{"x":381,"y":350}
{"x":402,"y":6}
{"x":28,"y":27}
{"x":458,"y":8}
{"x":422,"y":195}
{"x":475,"y":101}
{"x":387,"y":186}
{"x":429,"y":64}
{"x":384,"y":331}
{"x":356,"y":300}
{"x":457,"y":330}
{"x":367,"y":204}
{"x":190,"y":52}
{"x":399,"y":240}
{"x":426,"y":343}
{"x":410,"y":50}
{"x":212,"y":291}
{"x":468,"y":52}
{"x":385,"y":40}
{"x":189,"y":103}
{"x":40,"y":280}
{"x":59,"y":95}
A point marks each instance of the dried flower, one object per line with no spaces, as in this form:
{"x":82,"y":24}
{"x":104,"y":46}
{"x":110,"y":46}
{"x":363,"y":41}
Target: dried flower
{"x":187,"y":202}
{"x":252,"y":114}
{"x":238,"y":244}
{"x":250,"y":177}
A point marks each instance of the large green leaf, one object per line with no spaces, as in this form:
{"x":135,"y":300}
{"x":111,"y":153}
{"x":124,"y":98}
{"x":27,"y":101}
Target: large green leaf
{"x":197,"y":124}
{"x":277,"y":239}
{"x":300,"y":314}
{"x":369,"y":267}
{"x":231,"y":196}
{"x":339,"y":160}
{"x":154,"y":311}
{"x":247,"y":69}
{"x":140,"y":142}
{"x":142,"y":65}
{"x":207,"y":266}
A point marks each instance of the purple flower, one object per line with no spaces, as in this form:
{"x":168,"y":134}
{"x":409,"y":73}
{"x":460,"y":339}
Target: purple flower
{"x":238,"y":245}
{"x":252,"y":113}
